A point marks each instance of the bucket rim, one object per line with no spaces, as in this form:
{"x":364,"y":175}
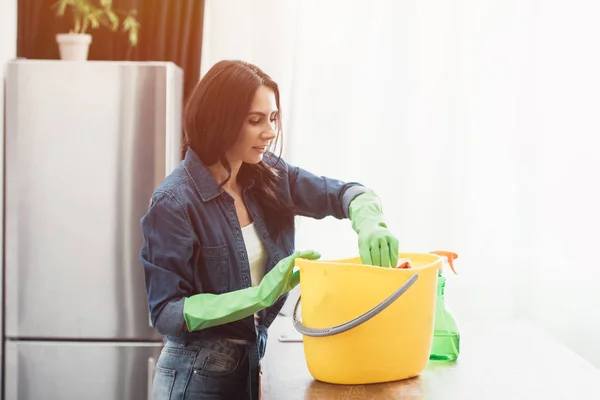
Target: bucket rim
{"x":348,"y":262}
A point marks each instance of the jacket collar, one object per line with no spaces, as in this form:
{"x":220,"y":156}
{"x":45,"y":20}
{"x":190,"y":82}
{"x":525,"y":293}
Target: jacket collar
{"x":206,"y":185}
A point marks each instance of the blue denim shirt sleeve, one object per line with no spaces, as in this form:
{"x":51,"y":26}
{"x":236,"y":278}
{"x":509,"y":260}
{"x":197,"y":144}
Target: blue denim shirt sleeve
{"x":319,"y":196}
{"x":166,"y":255}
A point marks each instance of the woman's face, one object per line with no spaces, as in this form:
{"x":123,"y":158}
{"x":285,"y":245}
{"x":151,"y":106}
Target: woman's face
{"x":259,"y":129}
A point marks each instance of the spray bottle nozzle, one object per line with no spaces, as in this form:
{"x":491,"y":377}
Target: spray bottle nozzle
{"x":449,"y":255}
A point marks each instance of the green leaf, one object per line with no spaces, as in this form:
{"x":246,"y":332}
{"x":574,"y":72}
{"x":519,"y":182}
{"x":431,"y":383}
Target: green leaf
{"x":93,"y":21}
{"x":131,"y":25}
{"x":133,"y":37}
{"x":113,"y":18}
{"x":85,"y":8}
{"x":61,"y":7}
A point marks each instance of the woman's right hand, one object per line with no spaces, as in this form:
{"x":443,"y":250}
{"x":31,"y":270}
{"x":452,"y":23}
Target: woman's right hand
{"x":281,"y":279}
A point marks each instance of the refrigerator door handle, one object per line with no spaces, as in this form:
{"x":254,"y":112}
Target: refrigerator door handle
{"x":151,"y":370}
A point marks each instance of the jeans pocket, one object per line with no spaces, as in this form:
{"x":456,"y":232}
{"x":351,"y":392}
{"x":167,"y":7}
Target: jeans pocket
{"x":173,"y":369}
{"x":221,"y":371}
{"x":214,"y":363}
{"x":164,"y":380}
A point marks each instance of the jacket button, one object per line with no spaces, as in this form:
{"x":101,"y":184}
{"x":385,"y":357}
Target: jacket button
{"x":276,"y":258}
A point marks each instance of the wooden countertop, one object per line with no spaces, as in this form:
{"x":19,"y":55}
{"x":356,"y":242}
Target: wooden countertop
{"x":510,"y":360}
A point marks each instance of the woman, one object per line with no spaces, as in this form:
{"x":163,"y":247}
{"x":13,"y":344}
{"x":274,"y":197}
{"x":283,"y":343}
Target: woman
{"x":218,"y":248}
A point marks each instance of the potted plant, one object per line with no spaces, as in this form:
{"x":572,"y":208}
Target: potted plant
{"x":89,"y":14}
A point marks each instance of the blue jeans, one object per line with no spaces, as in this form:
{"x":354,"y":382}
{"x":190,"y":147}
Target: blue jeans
{"x":211,"y":369}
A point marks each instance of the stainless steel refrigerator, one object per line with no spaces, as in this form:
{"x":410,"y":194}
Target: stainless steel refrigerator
{"x":86,"y":143}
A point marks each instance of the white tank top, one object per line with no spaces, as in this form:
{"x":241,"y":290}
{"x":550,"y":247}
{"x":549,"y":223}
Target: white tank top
{"x":257,"y":253}
{"x":257,"y":257}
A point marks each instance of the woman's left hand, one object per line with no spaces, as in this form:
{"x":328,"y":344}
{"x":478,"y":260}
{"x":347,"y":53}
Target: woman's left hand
{"x":376,"y":244}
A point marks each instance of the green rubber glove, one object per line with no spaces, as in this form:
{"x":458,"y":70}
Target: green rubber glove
{"x":376,"y":244}
{"x":205,"y":310}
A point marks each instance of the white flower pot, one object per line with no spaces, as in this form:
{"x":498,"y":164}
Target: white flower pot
{"x":74,"y":46}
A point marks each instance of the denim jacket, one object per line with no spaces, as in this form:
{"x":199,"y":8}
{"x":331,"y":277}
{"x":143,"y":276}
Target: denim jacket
{"x":193,"y":241}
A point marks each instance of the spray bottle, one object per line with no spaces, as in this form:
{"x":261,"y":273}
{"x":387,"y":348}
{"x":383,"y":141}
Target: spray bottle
{"x":446,"y":336}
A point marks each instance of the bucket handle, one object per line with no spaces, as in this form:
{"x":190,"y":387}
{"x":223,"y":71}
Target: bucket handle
{"x":346,"y":326}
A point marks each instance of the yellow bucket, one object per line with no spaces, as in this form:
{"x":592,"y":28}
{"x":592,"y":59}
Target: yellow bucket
{"x":364,"y":324}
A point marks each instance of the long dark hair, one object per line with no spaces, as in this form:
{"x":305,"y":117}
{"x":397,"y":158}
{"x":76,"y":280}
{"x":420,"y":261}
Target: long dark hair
{"x":213,"y":118}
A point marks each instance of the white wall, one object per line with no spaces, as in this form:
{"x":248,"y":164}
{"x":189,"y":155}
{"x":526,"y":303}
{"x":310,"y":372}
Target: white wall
{"x":8,"y":51}
{"x":564,"y":276}
{"x":474,"y":120}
